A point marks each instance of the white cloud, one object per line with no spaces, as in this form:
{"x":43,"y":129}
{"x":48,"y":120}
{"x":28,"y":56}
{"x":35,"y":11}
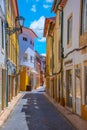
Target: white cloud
{"x":50,"y":1}
{"x":46,"y":6}
{"x":43,"y":39}
{"x":33,"y":8}
{"x":38,"y":26}
{"x":43,"y":54}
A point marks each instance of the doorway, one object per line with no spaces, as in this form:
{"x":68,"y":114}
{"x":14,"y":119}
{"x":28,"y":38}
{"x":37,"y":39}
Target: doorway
{"x":78,"y":91}
{"x":69,"y":88}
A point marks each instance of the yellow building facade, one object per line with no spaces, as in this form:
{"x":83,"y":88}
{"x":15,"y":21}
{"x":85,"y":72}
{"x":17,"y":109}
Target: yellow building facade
{"x":12,"y":49}
{"x":73,"y":76}
{"x":49,"y":34}
{"x":58,"y":52}
{"x":54,"y":60}
{"x":24,"y":79}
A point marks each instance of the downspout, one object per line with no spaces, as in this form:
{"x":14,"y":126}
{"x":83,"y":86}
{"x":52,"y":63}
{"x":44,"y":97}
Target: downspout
{"x":62,"y":55}
{"x":6,"y":57}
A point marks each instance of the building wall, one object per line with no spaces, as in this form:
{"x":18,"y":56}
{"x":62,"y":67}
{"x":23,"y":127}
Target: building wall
{"x":12,"y":51}
{"x":28,"y":63}
{"x":27,"y":57}
{"x":26,"y":47}
{"x":74,"y":61}
{"x":71,"y":9}
{"x":48,"y":48}
{"x":75,"y":13}
{"x":24,"y":79}
{"x":48,"y":70}
{"x":58,"y":42}
{"x":58,"y":79}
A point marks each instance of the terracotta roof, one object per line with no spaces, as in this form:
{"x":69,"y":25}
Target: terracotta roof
{"x":47,"y":21}
{"x":15,"y":7}
{"x":57,"y":3}
{"x":31,"y":32}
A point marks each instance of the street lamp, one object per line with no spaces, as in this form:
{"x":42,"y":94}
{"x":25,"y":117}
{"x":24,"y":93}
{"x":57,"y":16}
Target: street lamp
{"x":20,"y":19}
{"x":11,"y":30}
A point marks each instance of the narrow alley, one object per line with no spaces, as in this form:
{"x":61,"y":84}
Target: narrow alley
{"x":35,"y":112}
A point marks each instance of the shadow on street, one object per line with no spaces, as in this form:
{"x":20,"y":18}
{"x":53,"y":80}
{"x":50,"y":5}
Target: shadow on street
{"x":41,"y":115}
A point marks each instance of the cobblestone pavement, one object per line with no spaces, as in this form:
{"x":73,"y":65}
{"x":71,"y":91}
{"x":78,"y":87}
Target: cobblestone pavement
{"x":35,"y":112}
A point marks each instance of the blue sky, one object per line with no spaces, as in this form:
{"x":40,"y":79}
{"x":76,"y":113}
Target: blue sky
{"x":35,"y":12}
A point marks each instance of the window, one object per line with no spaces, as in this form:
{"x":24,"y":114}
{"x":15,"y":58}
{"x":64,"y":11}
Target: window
{"x":69,"y":30}
{"x":69,"y":87}
{"x":24,"y":38}
{"x":25,"y":57}
{"x":84,"y":17}
{"x":31,"y":59}
{"x":2,"y":25}
{"x":30,"y":42}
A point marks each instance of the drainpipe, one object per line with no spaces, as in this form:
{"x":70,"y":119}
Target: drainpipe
{"x":62,"y":55}
{"x":6,"y":55}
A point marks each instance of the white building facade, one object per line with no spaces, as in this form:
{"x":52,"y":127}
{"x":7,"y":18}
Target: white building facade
{"x":75,"y":55}
{"x":27,"y":53}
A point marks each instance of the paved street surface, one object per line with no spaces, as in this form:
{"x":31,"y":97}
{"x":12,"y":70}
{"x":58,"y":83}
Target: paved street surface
{"x":35,"y":112}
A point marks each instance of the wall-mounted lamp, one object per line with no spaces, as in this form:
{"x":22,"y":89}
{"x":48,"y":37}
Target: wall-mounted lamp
{"x":11,"y":30}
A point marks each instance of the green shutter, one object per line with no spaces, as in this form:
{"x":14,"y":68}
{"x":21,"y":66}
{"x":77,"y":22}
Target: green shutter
{"x":2,"y":34}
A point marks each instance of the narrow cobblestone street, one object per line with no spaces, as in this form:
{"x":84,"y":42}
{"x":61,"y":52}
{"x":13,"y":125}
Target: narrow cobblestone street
{"x":35,"y":112}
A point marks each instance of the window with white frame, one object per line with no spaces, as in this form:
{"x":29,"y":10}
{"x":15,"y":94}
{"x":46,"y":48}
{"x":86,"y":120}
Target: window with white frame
{"x":25,"y":57}
{"x":31,"y":42}
{"x":69,"y":29}
{"x":84,"y":16}
{"x":31,"y":59}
